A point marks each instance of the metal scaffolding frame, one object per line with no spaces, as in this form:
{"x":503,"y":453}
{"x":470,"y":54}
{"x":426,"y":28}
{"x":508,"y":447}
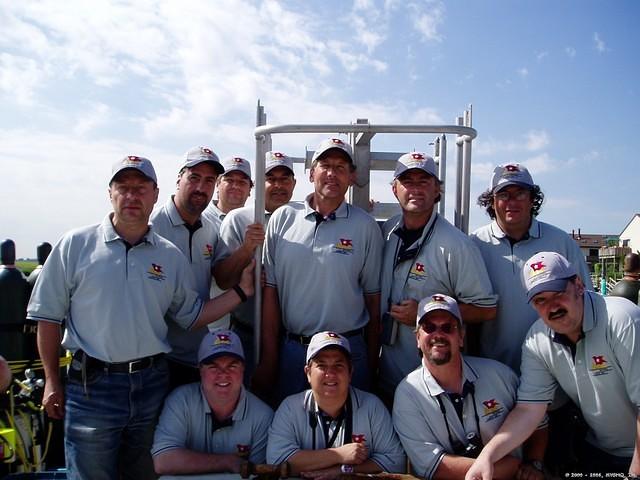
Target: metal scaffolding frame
{"x":360,"y":135}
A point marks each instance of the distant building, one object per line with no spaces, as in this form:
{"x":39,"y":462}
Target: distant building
{"x":630,"y":235}
{"x":590,"y":245}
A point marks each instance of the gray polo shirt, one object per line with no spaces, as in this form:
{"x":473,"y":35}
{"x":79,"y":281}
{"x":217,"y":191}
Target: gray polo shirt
{"x":113,"y":300}
{"x":187,"y":422}
{"x":446,"y":261}
{"x":200,"y":248}
{"x":232,"y":233}
{"x":213,"y":212}
{"x":322,"y":271}
{"x":293,"y":429}
{"x":420,"y":422}
{"x":603,"y":379}
{"x":502,"y":338}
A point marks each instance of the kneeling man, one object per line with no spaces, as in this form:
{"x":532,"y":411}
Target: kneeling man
{"x":333,"y":428}
{"x":213,"y":425}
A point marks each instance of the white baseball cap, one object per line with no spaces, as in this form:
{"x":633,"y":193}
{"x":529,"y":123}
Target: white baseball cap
{"x":323,"y":340}
{"x":277,"y":159}
{"x":143,"y":165}
{"x":198,"y":155}
{"x":438,"y":301}
{"x":331,"y":143}
{"x":218,"y":343}
{"x":237,"y":164}
{"x":415,"y":161}
{"x":510,"y":174}
{"x":546,"y":272}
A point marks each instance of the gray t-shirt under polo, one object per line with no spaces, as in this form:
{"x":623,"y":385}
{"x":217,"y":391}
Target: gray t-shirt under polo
{"x":420,"y":423}
{"x":200,"y":249}
{"x":502,"y":338}
{"x":604,"y":377}
{"x":446,"y":261}
{"x":113,"y":300}
{"x":322,"y":270}
{"x":292,"y":430}
{"x":187,"y":422}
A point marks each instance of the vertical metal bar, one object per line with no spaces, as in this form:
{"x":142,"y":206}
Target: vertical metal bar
{"x":457,"y":215}
{"x":466,"y":183}
{"x":442,"y":170}
{"x":258,"y":191}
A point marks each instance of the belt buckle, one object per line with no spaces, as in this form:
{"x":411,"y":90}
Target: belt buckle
{"x":136,"y":363}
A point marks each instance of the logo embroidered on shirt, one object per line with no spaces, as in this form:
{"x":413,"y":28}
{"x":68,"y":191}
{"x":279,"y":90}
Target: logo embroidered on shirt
{"x":358,"y":438}
{"x":243,"y":450}
{"x":156,"y":273}
{"x":492,"y":409}
{"x":208,"y":251}
{"x":600,"y":365}
{"x":417,"y":272}
{"x":344,"y":246}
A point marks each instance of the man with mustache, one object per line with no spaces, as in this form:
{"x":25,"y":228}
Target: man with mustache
{"x":180,"y":221}
{"x":446,"y":409}
{"x":333,"y":428}
{"x":588,"y":346}
{"x":239,"y":238}
{"x":424,"y":254}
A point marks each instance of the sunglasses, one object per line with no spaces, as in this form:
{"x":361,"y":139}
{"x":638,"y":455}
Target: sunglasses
{"x":446,"y":328}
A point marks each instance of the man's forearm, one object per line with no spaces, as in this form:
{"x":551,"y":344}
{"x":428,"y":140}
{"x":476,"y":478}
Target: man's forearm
{"x":475,"y":314}
{"x":271,"y":321}
{"x":48,"y":339}
{"x":181,"y":461}
{"x":372,"y":330}
{"x":634,"y":469}
{"x":227,"y":272}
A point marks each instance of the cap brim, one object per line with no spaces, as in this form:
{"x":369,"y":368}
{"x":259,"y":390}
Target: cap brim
{"x":559,"y":285}
{"x":497,"y":188}
{"x":398,"y":175}
{"x":423,"y":317}
{"x":131,"y":168}
{"x":211,"y":358}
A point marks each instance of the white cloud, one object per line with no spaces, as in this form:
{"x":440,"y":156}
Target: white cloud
{"x":523,"y":72}
{"x":536,"y":140}
{"x":533,"y":140}
{"x":20,"y":78}
{"x":427,"y":19}
{"x":570,"y":51}
{"x":599,"y":44}
{"x":540,"y":56}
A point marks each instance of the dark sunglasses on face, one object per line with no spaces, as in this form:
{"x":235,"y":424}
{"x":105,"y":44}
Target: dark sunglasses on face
{"x":446,"y":328}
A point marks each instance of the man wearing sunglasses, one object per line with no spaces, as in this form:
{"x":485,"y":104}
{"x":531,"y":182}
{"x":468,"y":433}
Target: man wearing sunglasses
{"x":513,"y":202}
{"x":423,"y":254}
{"x":588,"y":346}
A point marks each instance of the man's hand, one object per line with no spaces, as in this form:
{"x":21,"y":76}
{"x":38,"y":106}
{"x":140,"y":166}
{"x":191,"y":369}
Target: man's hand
{"x":253,"y":237}
{"x":482,"y":469}
{"x":246,"y":280}
{"x":53,"y":399}
{"x":352,"y":453}
{"x":405,"y":312}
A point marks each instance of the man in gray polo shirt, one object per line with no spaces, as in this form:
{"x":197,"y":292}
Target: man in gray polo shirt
{"x":180,"y":221}
{"x":445,"y":410}
{"x":239,"y":238}
{"x":513,"y":202}
{"x":333,"y":428}
{"x":589,"y":346}
{"x":214,"y":425}
{"x":424,"y":254}
{"x":322,"y":265}
{"x":111,"y":285}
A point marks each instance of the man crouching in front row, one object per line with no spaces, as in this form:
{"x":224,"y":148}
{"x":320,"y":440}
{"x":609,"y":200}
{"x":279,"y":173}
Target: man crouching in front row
{"x":333,"y":428}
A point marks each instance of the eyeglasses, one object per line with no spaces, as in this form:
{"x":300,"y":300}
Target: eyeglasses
{"x":506,"y":196}
{"x":446,"y":328}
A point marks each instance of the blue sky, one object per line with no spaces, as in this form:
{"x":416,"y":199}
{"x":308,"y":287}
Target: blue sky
{"x":554,"y":85}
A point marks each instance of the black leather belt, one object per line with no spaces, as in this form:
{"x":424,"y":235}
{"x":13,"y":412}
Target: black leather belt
{"x":118,"y":367}
{"x":304,"y":340}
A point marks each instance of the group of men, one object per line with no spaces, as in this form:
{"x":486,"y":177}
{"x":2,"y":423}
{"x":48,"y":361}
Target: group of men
{"x":344,"y":307}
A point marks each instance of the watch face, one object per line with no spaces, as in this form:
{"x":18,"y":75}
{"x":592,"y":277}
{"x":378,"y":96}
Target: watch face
{"x":346,"y":468}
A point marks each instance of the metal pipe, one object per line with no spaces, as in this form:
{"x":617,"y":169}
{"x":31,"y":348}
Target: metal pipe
{"x":366,"y":128}
{"x":457,"y":215}
{"x":442,"y":172}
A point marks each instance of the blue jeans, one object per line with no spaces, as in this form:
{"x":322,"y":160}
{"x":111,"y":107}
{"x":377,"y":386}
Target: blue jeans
{"x":109,"y":429}
{"x":291,"y":377}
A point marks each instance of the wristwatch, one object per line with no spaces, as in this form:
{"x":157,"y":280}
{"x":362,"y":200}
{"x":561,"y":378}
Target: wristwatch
{"x":537,"y":464}
{"x":346,"y":468}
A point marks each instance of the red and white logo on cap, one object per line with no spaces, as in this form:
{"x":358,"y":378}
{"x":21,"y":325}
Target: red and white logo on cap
{"x":417,"y":156}
{"x":133,"y":158}
{"x":333,"y":335}
{"x":278,"y":154}
{"x":222,"y":339}
{"x":337,"y":141}
{"x":438,"y":298}
{"x":237,"y":160}
{"x":207,"y":150}
{"x":536,"y":267}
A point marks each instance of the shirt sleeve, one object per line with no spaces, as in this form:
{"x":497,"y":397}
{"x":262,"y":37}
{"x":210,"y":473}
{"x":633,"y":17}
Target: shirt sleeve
{"x":626,"y":346}
{"x":469,"y":276}
{"x":537,"y":383}
{"x":283,"y":442}
{"x":185,"y":305}
{"x":370,"y":273}
{"x":268,"y":253}
{"x":386,"y":450}
{"x":260,"y":433}
{"x":173,"y":426}
{"x":414,"y":431}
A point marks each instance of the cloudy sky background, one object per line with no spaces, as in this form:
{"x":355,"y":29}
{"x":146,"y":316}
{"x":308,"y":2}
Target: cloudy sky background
{"x":554,"y":85}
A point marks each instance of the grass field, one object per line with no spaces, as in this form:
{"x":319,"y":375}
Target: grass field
{"x":26,"y":266}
